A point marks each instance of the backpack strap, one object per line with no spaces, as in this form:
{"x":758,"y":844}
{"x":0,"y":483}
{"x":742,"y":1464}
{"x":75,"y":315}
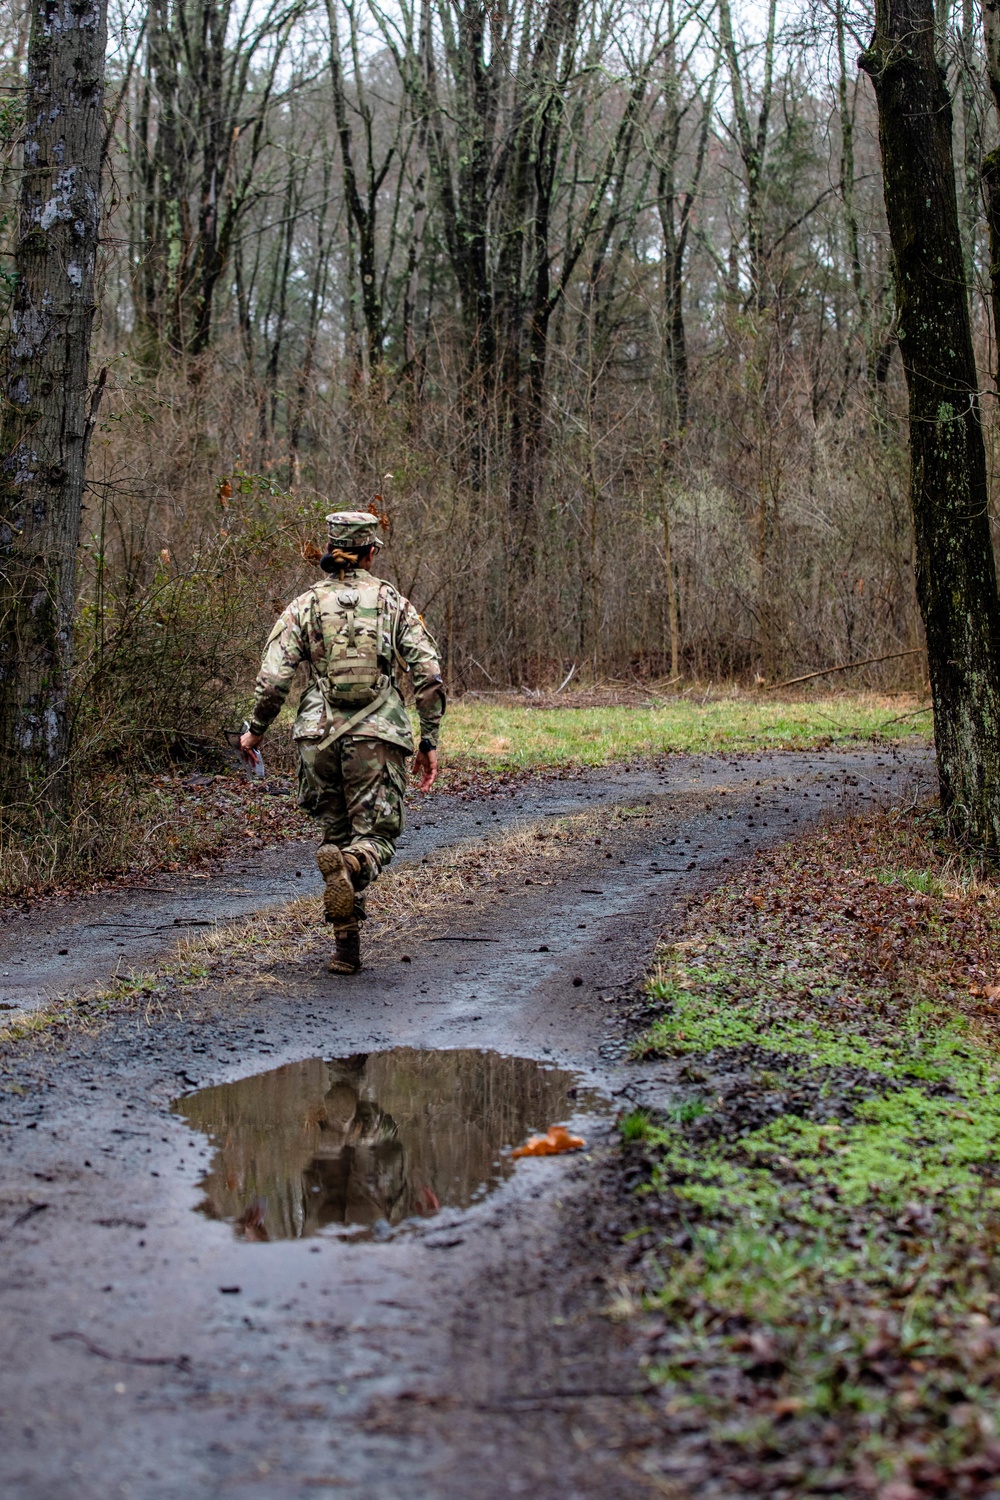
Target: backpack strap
{"x":356,"y":719}
{"x":389,"y":602}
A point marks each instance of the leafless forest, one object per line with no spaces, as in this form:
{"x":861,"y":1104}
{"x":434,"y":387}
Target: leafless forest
{"x":594,"y":302}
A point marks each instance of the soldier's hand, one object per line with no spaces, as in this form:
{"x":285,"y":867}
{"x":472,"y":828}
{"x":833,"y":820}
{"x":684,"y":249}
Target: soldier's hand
{"x":425,"y":765}
{"x":248,"y":744}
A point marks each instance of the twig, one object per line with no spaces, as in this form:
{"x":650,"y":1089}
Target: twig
{"x":452,"y":938}
{"x":900,"y":717}
{"x":566,"y":679}
{"x":845,"y":666}
{"x":180,"y":1361}
{"x":482,"y":669}
{"x":22,"y":1218}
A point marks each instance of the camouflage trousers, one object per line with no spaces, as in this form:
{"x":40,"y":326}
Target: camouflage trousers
{"x":355,"y":787}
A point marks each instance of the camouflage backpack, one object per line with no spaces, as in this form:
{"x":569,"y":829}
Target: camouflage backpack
{"x":355,"y":619}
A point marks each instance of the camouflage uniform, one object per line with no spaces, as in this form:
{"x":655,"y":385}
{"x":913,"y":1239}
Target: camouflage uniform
{"x":352,"y":764}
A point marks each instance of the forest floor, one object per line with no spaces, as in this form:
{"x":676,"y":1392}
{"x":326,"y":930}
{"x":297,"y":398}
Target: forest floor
{"x":816,"y":1211}
{"x":259,"y":1233}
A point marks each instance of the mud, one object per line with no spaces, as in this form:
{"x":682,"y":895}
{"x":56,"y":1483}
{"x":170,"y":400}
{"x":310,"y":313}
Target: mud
{"x":67,"y":947}
{"x":149,"y":1350}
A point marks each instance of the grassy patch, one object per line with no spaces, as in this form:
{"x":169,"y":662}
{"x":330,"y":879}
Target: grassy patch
{"x":506,"y":733}
{"x":823,"y":1279}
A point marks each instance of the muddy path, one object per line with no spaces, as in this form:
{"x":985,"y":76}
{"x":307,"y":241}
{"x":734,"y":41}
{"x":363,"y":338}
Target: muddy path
{"x":65,"y":946}
{"x":149,"y":1349}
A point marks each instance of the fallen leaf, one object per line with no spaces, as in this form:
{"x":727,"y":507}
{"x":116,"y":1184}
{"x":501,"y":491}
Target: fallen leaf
{"x":556,"y":1139}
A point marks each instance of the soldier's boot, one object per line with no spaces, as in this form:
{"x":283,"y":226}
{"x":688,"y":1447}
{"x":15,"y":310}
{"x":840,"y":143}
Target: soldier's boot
{"x":347,"y":951}
{"x":338,"y":898}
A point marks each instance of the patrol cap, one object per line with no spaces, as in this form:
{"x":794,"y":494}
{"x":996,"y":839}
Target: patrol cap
{"x":353,"y":530}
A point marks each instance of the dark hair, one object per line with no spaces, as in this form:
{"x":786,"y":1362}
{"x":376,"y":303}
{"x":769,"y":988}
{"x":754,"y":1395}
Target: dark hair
{"x":338,"y":559}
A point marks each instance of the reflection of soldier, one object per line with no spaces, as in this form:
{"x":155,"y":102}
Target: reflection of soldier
{"x":352,"y":731}
{"x":360,"y":1165}
{"x":360,"y":1172}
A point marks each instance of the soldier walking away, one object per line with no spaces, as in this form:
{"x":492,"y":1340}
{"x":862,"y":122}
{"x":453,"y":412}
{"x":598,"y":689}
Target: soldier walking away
{"x":355,"y":633}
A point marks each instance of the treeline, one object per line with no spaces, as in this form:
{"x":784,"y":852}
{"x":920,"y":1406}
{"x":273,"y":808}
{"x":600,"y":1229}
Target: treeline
{"x":596,"y":300}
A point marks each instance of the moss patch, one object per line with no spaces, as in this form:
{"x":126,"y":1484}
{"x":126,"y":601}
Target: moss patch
{"x":820,"y":1265}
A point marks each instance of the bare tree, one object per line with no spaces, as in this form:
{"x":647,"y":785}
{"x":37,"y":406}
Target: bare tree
{"x":202,"y":128}
{"x":44,"y":430}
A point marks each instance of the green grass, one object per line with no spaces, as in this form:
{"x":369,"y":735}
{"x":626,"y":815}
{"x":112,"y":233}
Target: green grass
{"x":924,"y":881}
{"x":852,"y":1236}
{"x":507,"y":735}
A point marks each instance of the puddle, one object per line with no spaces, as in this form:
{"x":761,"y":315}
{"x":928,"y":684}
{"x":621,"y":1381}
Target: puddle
{"x":364,"y":1143}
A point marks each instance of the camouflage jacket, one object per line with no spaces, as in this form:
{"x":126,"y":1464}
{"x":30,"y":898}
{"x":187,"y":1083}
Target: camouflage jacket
{"x":298,"y":637}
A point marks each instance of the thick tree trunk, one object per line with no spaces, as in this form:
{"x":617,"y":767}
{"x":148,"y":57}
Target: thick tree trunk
{"x":956,"y":575}
{"x":44,"y":425}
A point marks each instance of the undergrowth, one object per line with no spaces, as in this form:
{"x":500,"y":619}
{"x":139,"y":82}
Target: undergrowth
{"x":822,"y":1213}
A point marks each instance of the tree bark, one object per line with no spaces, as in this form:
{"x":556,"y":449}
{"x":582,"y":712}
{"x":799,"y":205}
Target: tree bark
{"x":991,"y":171}
{"x":43,"y":435}
{"x":364,"y":209}
{"x":956,"y":574}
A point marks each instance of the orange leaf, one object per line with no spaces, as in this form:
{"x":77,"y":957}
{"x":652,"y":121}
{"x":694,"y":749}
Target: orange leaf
{"x":556,"y":1139}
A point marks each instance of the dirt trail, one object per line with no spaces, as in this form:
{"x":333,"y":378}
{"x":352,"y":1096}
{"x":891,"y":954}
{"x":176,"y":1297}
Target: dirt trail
{"x":467,"y":1353}
{"x":63,"y":947}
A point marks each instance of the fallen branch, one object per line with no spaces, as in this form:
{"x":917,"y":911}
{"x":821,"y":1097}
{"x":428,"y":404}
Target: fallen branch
{"x":927,"y":708}
{"x":566,"y":679}
{"x":22,"y":1218}
{"x":180,"y":1361}
{"x":845,"y":666}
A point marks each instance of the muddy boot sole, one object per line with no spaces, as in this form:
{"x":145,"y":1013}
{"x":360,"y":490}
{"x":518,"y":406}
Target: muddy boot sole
{"x":347,"y":954}
{"x":338,"y":898}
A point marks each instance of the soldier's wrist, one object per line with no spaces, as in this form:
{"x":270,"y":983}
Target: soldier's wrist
{"x":257,"y":728}
{"x":426,"y":746}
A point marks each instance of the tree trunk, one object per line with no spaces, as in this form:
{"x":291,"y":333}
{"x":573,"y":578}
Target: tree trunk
{"x":956,"y":575}
{"x":43,"y":437}
{"x":991,"y":171}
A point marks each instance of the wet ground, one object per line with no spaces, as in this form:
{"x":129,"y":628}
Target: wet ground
{"x":64,"y":947}
{"x":180,"y":1316}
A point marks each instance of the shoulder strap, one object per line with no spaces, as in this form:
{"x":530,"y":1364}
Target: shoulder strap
{"x":396,"y":603}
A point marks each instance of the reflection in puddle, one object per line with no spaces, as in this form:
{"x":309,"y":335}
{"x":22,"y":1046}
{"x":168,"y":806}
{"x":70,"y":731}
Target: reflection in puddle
{"x":373,"y":1139}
